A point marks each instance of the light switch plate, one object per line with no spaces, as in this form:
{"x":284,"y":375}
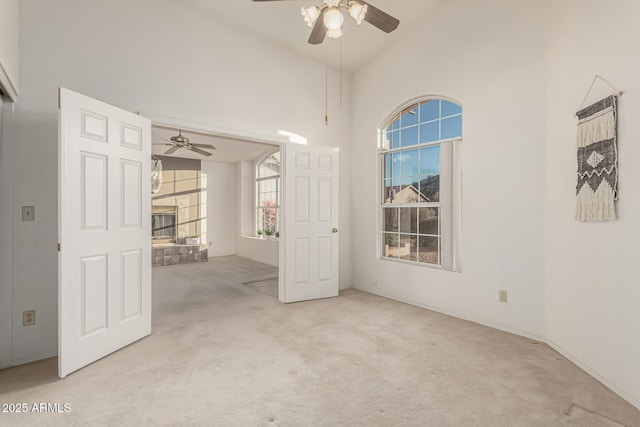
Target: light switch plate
{"x":502,"y":296}
{"x":28,"y":213}
{"x":28,"y":318}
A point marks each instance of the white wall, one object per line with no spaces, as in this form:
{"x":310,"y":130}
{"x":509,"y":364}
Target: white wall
{"x":592,"y":282}
{"x":9,"y":77}
{"x":126,"y":54}
{"x":221,"y":208}
{"x":489,"y":57}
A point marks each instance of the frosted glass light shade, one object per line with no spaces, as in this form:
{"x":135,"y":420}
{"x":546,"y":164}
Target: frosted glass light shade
{"x":310,"y":15}
{"x":334,"y":34}
{"x":156,"y":176}
{"x":357,"y":11}
{"x":333,"y":19}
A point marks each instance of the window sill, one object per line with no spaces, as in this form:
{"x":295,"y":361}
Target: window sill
{"x":415,"y":263}
{"x":266,"y":239}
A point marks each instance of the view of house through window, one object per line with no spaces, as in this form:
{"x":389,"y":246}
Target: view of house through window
{"x":414,"y":145}
{"x":268,"y":196}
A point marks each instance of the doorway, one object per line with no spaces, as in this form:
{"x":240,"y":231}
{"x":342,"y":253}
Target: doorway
{"x":220,"y":200}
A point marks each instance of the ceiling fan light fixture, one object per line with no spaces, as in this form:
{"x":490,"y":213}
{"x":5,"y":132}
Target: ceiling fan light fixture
{"x":333,"y":20}
{"x":357,"y":11}
{"x":335,"y":34}
{"x":310,"y":15}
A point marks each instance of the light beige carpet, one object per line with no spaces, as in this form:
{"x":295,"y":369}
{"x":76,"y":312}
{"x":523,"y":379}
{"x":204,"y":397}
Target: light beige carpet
{"x":224,"y":354}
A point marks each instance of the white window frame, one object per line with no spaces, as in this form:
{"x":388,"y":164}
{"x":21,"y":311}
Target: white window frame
{"x":450,"y":203}
{"x":257,"y":181}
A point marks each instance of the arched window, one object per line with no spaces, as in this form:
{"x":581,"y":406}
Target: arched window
{"x":420,"y":180}
{"x":268,"y":195}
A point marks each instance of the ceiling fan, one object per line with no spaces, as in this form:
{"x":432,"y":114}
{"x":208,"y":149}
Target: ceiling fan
{"x":179,"y":141}
{"x":327,"y":19}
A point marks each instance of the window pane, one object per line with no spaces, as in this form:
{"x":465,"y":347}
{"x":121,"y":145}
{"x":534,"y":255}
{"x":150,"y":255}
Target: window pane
{"x":408,"y":249}
{"x":430,"y":132}
{"x":430,"y":173}
{"x":270,"y":166}
{"x":430,"y":188}
{"x":394,"y":139}
{"x":390,"y":219}
{"x":395,"y":123}
{"x":390,"y":245}
{"x":410,"y":136}
{"x":429,"y":110}
{"x":430,"y":160}
{"x":396,"y":194}
{"x":429,"y":221}
{"x":387,"y":197}
{"x":396,"y":164}
{"x":452,"y":127}
{"x":449,"y":109}
{"x":387,"y":166}
{"x":410,"y":161}
{"x":409,"y":117}
{"x":429,"y":250}
{"x":409,"y":220}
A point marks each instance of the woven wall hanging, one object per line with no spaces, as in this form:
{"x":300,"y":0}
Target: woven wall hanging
{"x":597,"y":189}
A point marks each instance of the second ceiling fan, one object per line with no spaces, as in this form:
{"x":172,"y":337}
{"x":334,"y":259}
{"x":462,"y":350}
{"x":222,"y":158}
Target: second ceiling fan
{"x":327,"y":19}
{"x":179,"y":141}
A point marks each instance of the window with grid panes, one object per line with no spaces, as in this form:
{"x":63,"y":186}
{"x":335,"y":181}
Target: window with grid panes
{"x":416,"y":156}
{"x":268,"y":194}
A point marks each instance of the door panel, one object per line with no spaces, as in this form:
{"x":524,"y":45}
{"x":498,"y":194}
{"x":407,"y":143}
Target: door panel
{"x":104,"y":284}
{"x":309,"y":244}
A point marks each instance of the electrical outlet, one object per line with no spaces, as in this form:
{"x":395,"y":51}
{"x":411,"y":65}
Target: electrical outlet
{"x":210,"y":243}
{"x":28,"y":318}
{"x":502,"y":296}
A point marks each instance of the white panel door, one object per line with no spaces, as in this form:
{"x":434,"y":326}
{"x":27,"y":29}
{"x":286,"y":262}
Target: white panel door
{"x":104,"y":202}
{"x":309,"y":255}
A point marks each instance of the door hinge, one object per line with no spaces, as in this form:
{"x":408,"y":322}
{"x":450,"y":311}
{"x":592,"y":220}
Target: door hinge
{"x":58,"y":247}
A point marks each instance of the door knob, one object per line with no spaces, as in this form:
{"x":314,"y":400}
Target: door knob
{"x":335,"y":230}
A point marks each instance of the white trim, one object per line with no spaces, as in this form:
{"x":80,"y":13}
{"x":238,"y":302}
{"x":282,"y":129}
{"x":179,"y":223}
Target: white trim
{"x":457,"y":315}
{"x":30,"y":359}
{"x":418,"y":146}
{"x":586,"y":368}
{"x":206,"y":129}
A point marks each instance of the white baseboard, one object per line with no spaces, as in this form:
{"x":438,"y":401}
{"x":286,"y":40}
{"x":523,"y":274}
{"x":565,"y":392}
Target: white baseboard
{"x":526,"y":334}
{"x":25,"y":360}
{"x":614,"y":388}
{"x":221,"y":255}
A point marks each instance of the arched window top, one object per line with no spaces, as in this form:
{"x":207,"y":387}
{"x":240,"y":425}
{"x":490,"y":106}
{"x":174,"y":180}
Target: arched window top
{"x":426,"y":121}
{"x":269,"y":166}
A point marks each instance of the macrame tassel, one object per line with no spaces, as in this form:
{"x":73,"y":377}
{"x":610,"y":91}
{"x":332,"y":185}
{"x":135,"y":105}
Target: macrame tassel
{"x":596,"y":205}
{"x":596,"y":129}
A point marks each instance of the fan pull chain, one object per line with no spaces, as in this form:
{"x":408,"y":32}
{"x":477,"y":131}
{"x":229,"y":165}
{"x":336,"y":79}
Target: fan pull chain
{"x":326,"y":86}
{"x":340,"y":72}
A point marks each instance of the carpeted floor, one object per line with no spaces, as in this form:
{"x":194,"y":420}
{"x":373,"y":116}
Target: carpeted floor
{"x":225,"y":354}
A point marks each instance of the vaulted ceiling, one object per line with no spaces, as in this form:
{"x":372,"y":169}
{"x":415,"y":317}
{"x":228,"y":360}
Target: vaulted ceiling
{"x":281,"y":23}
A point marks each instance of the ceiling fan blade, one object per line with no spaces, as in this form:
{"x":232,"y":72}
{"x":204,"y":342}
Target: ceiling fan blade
{"x":171,"y":150}
{"x":209,"y":146}
{"x":319,"y":30}
{"x":160,"y":143}
{"x":199,"y":151}
{"x":380,"y":19}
